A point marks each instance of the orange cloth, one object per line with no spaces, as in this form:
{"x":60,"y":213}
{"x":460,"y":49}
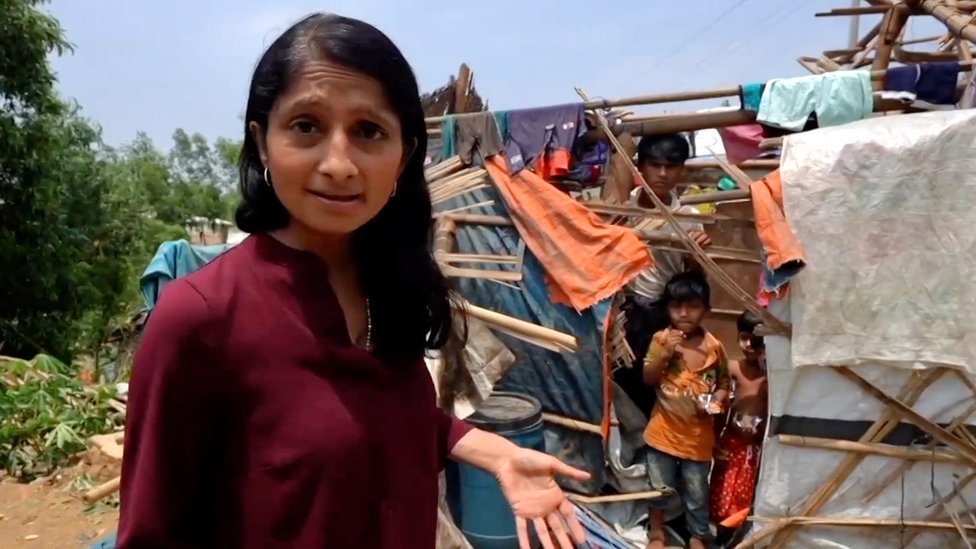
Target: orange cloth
{"x":677,"y":435}
{"x":586,"y":259}
{"x":778,"y":239}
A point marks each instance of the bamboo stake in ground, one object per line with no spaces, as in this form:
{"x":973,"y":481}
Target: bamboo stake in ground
{"x":710,"y":267}
{"x":102,"y":491}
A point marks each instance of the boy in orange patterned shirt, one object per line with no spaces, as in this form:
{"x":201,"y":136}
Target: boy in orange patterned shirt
{"x":689,"y":369}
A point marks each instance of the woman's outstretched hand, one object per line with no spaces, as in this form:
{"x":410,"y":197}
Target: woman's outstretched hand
{"x":528,"y":480}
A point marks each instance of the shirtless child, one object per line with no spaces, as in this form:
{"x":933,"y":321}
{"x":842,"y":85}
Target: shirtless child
{"x":737,"y":457}
{"x":688,"y":368}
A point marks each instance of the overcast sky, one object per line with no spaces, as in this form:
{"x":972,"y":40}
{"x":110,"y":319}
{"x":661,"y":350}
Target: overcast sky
{"x":158,"y":66}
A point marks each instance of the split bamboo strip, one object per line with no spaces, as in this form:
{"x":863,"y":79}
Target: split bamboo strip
{"x":903,"y":468}
{"x":479,"y":258}
{"x":469,"y":207}
{"x":859,"y":523}
{"x":916,"y":385}
{"x":443,"y":168}
{"x":616,"y":498}
{"x":870,"y":448}
{"x":573,"y":424}
{"x":930,"y":427}
{"x":478,"y":219}
{"x":520,"y":326}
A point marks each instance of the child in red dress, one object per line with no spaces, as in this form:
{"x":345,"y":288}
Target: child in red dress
{"x":737,"y":454}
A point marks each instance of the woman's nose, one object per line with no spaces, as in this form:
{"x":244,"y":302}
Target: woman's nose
{"x":337,"y":162}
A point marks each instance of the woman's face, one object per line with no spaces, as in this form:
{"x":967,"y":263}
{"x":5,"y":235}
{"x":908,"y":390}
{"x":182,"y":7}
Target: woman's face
{"x":333,"y":148}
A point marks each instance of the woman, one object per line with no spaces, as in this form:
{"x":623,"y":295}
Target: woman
{"x":280,"y":397}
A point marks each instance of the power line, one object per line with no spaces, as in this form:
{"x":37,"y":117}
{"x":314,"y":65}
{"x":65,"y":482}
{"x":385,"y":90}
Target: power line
{"x":708,"y":26}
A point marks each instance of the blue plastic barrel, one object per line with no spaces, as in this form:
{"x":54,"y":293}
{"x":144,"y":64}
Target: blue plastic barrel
{"x":486,"y":517}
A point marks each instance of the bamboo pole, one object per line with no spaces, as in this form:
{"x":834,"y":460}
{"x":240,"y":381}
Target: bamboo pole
{"x":956,"y":22}
{"x":616,"y":498}
{"x":518,"y":326}
{"x":870,"y":448}
{"x":652,"y":99}
{"x":894,"y":23}
{"x":710,"y":267}
{"x":102,"y":491}
{"x":864,"y":10}
{"x":860,"y":523}
{"x":573,"y":424}
{"x":758,"y":164}
{"x":963,"y":484}
{"x":883,"y":426}
{"x":903,"y":468}
{"x":930,"y":427}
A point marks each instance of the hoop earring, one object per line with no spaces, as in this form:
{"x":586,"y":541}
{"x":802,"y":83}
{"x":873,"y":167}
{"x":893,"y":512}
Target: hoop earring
{"x":392,"y":194}
{"x":267,"y":177}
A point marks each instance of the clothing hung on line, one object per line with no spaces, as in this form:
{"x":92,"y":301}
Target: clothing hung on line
{"x":254,"y":421}
{"x":586,"y":259}
{"x":734,"y":474}
{"x":544,"y":138}
{"x":477,"y":133}
{"x":751,"y":96}
{"x":835,"y":97}
{"x":933,"y":83}
{"x":968,"y":99}
{"x":782,"y":254}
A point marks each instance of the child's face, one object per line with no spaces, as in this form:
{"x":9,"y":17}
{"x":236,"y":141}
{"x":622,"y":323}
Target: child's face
{"x":751,"y":345}
{"x":687,"y":316}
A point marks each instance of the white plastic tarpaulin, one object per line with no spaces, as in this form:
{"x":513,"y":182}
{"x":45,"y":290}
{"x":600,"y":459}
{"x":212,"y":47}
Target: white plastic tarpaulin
{"x":884,"y":209}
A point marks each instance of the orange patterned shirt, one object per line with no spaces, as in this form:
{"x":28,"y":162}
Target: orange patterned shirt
{"x":677,"y":435}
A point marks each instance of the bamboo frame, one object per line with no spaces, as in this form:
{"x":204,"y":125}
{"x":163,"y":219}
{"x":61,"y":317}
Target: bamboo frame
{"x":710,"y":267}
{"x":960,"y":441}
{"x":882,"y":427}
{"x":527,"y":331}
{"x":573,"y":424}
{"x":861,"y":523}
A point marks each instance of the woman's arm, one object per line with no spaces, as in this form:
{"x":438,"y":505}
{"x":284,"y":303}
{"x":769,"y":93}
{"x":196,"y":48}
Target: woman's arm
{"x":170,"y":426}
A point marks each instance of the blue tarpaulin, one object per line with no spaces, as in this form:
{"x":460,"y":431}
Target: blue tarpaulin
{"x":174,"y":259}
{"x":568,"y":384}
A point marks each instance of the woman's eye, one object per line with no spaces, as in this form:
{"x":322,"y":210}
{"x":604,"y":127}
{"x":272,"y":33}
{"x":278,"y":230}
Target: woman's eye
{"x":303,"y":126}
{"x":370,"y":131}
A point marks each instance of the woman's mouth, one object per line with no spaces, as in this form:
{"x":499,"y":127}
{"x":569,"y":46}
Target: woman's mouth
{"x":336,"y":198}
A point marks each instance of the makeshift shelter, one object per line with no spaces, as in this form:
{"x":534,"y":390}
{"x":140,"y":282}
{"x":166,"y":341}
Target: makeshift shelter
{"x":476,"y":212}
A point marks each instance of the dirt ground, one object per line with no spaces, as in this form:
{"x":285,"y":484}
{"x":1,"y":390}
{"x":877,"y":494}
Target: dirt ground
{"x":49,"y":513}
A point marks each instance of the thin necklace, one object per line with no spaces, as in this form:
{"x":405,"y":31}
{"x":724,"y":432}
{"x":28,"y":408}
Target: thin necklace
{"x":369,"y":327}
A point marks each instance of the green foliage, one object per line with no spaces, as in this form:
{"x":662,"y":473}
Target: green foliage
{"x":80,"y":220}
{"x":46,"y":415}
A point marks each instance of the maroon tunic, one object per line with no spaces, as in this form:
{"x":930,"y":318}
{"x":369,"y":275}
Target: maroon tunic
{"x":254,"y":422}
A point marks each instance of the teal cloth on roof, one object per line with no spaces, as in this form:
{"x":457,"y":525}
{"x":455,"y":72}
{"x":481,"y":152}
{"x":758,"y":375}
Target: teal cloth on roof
{"x":836,"y":97}
{"x":173,"y":259}
{"x":448,"y":127}
{"x":751,"y":96}
{"x":501,"y":118}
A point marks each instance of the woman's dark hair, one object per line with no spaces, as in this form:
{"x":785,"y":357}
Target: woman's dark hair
{"x":687,"y":286}
{"x":410,"y":300}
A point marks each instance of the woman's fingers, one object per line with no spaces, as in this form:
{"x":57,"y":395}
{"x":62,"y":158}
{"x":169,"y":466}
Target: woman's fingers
{"x":543,"y":532}
{"x":522,"y":530}
{"x":568,"y":511}
{"x":558,"y":529}
{"x":562,"y":469}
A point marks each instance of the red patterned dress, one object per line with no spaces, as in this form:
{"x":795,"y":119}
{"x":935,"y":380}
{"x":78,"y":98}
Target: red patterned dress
{"x":734,"y":474}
